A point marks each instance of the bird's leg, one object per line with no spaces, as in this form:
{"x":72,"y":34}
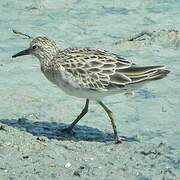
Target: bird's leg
{"x":83,"y":112}
{"x":110,"y":114}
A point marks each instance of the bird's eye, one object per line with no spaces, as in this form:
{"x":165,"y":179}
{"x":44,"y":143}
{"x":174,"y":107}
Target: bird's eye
{"x":34,"y":46}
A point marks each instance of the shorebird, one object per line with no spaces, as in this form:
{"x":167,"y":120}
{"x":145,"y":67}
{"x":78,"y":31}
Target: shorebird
{"x":90,"y":73}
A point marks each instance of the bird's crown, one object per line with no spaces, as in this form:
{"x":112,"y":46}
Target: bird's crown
{"x":42,"y":41}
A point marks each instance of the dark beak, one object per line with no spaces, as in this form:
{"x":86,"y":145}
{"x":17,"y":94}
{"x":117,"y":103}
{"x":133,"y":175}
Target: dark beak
{"x":22,"y":53}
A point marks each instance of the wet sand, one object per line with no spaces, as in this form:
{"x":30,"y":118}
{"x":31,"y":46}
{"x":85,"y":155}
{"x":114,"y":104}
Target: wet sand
{"x":33,"y":111}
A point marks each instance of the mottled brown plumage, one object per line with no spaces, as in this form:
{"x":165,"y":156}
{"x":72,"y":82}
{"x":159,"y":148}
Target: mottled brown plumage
{"x":90,"y":73}
{"x":103,"y":71}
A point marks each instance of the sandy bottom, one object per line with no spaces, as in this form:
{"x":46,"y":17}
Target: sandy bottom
{"x":33,"y":111}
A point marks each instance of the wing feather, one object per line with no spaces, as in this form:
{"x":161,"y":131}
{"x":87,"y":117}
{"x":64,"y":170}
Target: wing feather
{"x":101,"y":70}
{"x":93,"y":68}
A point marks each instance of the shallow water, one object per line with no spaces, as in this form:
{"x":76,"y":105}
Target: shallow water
{"x":31,"y":106}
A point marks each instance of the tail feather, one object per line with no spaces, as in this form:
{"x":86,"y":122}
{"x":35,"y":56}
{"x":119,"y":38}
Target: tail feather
{"x":159,"y":74}
{"x":139,"y":74}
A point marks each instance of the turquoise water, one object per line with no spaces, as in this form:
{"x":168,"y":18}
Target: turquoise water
{"x":151,"y":113}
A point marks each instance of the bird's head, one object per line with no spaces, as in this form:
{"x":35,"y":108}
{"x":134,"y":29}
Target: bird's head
{"x":41,"y":47}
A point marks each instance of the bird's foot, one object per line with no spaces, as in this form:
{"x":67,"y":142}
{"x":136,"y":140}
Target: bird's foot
{"x":67,"y":131}
{"x":120,"y":139}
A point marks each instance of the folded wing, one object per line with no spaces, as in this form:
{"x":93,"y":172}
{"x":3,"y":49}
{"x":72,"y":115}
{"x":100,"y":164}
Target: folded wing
{"x":101,"y":70}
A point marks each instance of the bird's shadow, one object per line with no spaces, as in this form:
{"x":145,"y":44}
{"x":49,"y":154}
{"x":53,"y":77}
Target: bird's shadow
{"x":53,"y":130}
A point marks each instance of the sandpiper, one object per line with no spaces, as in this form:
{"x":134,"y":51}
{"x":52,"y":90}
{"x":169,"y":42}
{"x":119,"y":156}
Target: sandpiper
{"x":90,"y":73}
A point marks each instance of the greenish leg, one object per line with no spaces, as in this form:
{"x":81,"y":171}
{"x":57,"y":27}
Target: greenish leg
{"x":83,"y":112}
{"x":110,"y":114}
